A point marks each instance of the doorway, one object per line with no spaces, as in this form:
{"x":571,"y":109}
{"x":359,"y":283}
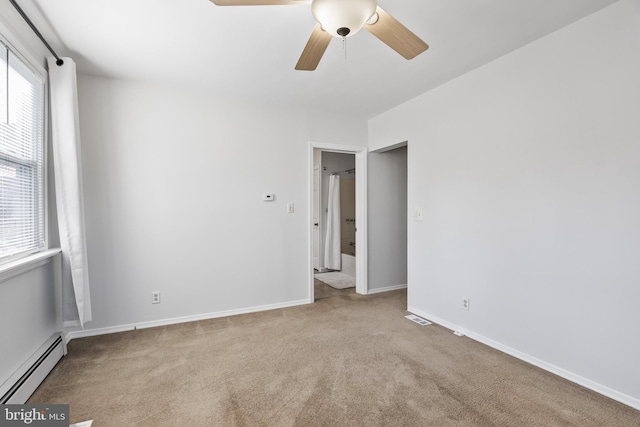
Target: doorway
{"x":388,"y":218}
{"x":344,"y":167}
{"x":334,"y":223}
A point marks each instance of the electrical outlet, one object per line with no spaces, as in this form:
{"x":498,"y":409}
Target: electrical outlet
{"x":465,"y":303}
{"x":155,"y":297}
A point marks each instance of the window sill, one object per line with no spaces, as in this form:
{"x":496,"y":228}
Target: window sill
{"x":28,"y":263}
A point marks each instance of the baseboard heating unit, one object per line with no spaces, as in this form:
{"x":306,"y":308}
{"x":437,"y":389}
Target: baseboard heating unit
{"x":21,"y":385}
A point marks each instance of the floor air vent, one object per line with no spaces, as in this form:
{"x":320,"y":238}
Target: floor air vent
{"x":418,"y":320}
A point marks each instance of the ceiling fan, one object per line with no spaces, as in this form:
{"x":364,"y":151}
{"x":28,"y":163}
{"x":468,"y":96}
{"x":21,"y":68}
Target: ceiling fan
{"x":341,"y":19}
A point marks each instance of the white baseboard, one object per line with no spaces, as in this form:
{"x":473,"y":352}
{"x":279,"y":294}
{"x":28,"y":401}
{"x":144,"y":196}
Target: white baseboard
{"x":172,"y":321}
{"x":386,"y":289}
{"x":26,"y":379}
{"x":568,"y":375}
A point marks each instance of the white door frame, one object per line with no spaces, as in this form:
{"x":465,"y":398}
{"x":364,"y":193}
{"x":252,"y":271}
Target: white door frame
{"x":361,"y":211}
{"x":318,"y":245}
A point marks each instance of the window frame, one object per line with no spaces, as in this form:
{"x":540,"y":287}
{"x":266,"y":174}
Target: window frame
{"x":24,"y":55}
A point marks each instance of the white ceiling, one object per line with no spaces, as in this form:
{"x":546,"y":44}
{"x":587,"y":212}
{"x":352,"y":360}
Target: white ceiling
{"x":248,"y":53}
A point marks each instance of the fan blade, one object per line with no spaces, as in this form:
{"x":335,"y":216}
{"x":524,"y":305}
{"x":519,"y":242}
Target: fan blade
{"x":258,"y":2}
{"x":313,"y":51}
{"x":396,"y":36}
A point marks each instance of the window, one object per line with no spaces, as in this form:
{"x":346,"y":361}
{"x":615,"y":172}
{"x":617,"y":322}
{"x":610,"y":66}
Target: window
{"x":22,"y":197}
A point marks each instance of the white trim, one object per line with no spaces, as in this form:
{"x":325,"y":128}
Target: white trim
{"x":38,"y":372}
{"x":568,"y":375}
{"x":84,"y":333}
{"x":12,"y":39}
{"x":386,"y":289}
{"x":360,"y":153}
{"x":175,"y":320}
{"x":390,"y":147}
{"x":310,"y":271}
{"x":20,"y":266}
{"x":338,"y":148}
{"x":362,"y":284}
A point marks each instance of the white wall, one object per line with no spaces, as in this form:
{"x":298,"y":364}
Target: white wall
{"x":387,"y":188}
{"x":528,"y":171}
{"x":28,"y":315}
{"x":174,"y":183}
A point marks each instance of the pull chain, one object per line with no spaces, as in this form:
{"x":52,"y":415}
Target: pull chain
{"x":344,"y":46}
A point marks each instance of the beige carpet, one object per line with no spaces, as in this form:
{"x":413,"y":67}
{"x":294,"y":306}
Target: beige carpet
{"x":346,"y":360}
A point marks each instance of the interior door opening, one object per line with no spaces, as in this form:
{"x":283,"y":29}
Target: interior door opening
{"x":334,"y":224}
{"x":337,"y":216}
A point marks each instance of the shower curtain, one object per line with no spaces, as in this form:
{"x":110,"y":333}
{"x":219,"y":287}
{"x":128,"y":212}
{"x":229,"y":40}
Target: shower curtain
{"x":332,"y":255}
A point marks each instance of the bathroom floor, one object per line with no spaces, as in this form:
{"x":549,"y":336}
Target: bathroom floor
{"x":322,"y":290}
{"x":337,"y":279}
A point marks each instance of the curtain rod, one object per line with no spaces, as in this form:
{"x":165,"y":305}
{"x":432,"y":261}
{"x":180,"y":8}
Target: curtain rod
{"x":349,"y":171}
{"x":59,"y":61}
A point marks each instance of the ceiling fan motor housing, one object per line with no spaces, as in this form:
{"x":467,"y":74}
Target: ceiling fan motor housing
{"x":342,"y":18}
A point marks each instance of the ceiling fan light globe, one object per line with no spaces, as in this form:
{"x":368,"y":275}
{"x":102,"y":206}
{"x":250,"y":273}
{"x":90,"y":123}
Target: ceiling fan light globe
{"x":334,"y":15}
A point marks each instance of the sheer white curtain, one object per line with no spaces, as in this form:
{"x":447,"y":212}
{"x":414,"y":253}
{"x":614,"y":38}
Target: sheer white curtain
{"x":332,"y":257}
{"x":65,"y":133}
